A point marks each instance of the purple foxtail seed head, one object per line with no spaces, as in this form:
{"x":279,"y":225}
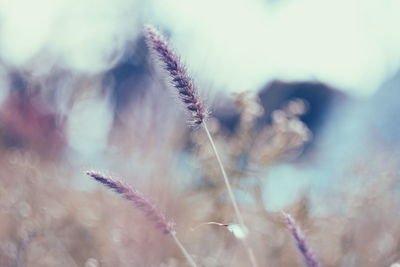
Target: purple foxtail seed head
{"x":138,"y":200}
{"x":301,"y":243}
{"x":176,"y":70}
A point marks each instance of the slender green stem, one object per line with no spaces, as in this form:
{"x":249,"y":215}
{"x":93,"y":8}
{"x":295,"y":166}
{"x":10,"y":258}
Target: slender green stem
{"x":184,"y":251}
{"x":239,"y":216}
{"x":226,"y":179}
{"x":250,"y":253}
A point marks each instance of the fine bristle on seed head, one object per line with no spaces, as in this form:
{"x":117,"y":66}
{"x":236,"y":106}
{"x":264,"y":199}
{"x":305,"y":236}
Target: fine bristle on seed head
{"x":176,"y":70}
{"x":138,"y":200}
{"x":308,"y":255}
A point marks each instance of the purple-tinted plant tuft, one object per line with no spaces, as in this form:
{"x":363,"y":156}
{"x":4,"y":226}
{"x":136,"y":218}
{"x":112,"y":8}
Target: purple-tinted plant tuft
{"x":138,"y":200}
{"x":301,"y":243}
{"x":179,"y":78}
{"x":189,"y":95}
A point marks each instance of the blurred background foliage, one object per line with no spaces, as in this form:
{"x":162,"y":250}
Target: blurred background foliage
{"x":304,"y":111}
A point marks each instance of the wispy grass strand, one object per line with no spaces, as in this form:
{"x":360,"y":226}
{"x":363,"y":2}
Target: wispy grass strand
{"x":143,"y":204}
{"x":308,"y":255}
{"x":189,"y":95}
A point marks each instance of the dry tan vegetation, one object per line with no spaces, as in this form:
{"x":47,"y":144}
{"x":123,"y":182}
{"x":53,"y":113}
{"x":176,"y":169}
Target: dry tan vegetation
{"x":52,"y":215}
{"x":47,"y":219}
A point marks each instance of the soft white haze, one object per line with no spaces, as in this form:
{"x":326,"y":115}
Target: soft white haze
{"x":232,"y":44}
{"x":84,"y":35}
{"x":351,"y":44}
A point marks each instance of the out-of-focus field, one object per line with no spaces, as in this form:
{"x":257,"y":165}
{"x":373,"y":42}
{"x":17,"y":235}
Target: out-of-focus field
{"x":80,"y":92}
{"x":51,"y":214}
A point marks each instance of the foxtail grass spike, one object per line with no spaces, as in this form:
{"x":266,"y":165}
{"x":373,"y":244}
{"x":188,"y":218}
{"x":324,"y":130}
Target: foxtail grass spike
{"x":138,"y":200}
{"x":179,"y":78}
{"x":188,"y":93}
{"x":301,"y":243}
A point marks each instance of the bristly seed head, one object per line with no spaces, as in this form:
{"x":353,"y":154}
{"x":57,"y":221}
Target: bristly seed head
{"x":301,"y":243}
{"x":138,"y":200}
{"x":187,"y":92}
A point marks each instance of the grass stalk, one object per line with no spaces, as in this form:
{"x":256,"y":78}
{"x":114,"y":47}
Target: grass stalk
{"x":139,"y":201}
{"x":304,"y":248}
{"x":183,"y":250}
{"x":238,"y":214}
{"x":187,"y":92}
